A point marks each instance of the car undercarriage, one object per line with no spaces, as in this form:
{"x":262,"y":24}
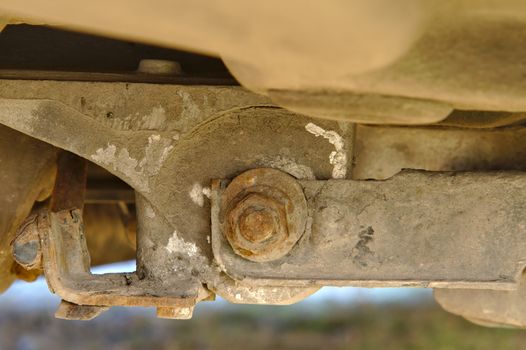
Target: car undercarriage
{"x":263,"y":159}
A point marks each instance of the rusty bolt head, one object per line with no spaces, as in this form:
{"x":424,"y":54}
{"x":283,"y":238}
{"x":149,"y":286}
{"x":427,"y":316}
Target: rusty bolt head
{"x":257,"y":225}
{"x":255,"y":219}
{"x":264,"y":214}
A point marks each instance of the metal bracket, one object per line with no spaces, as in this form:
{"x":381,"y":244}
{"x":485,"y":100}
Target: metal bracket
{"x":66,"y":262}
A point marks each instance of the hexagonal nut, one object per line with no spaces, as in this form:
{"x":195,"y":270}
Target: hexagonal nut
{"x":263,"y":214}
{"x":257,"y":227}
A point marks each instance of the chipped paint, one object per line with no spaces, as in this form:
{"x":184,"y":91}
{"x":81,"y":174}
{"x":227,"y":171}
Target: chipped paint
{"x":338,"y":157}
{"x":191,"y":109}
{"x":137,"y":171}
{"x":245,"y":294}
{"x":198,"y":194}
{"x":290,"y":166}
{"x":178,"y":245}
{"x":156,"y":152}
{"x":251,"y":295}
{"x":121,"y":162}
{"x":207,"y":192}
{"x":149,"y":212}
{"x":155,"y":120}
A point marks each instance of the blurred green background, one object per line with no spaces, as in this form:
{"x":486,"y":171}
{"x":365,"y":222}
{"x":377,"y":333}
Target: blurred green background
{"x":422,"y":326}
{"x":335,"y":318}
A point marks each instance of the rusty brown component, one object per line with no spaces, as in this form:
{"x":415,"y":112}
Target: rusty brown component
{"x":70,"y":184}
{"x":66,"y":261}
{"x":265,"y":214}
{"x":70,"y":311}
{"x":257,"y":224}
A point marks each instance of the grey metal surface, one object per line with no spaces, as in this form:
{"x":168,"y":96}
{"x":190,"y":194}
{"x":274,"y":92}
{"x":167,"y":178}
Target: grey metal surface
{"x":382,"y":151}
{"x":486,"y":307}
{"x":415,"y":229}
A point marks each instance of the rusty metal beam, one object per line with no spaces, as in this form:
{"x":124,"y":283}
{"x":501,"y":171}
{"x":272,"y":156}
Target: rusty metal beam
{"x":70,"y":183}
{"x":416,"y":229}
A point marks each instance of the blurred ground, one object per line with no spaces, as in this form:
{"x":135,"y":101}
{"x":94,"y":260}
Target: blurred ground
{"x":332,"y":327}
{"x":349,"y":318}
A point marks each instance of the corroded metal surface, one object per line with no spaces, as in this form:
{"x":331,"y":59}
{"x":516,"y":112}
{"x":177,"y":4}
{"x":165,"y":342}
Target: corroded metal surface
{"x":160,"y":141}
{"x":264,"y":214}
{"x":153,"y":138}
{"x":70,"y":183}
{"x":70,"y":311}
{"x":415,"y":229}
{"x":66,"y":259}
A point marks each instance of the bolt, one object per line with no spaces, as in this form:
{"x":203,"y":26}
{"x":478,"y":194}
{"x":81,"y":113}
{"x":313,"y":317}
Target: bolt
{"x":256,"y":225}
{"x":26,"y":253}
{"x":25,"y":248}
{"x":265,"y":214}
{"x":160,"y":67}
